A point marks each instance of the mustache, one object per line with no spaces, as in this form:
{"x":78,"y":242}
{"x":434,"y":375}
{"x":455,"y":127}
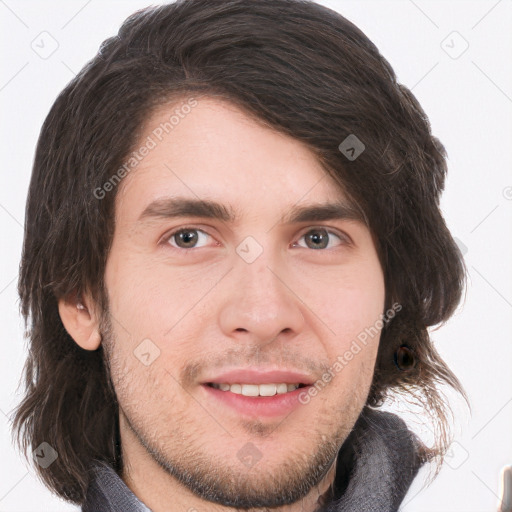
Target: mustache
{"x":245,"y":356}
{"x":250,"y":357}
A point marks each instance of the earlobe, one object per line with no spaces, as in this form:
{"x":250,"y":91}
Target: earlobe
{"x":80,"y":322}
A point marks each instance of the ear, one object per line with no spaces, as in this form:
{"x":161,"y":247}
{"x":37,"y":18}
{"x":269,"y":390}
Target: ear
{"x":80,"y":320}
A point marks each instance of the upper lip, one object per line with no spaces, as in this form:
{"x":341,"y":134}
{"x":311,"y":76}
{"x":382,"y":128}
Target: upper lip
{"x":260,"y":376}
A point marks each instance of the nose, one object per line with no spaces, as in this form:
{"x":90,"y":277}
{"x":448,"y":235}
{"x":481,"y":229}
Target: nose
{"x":261,"y":303}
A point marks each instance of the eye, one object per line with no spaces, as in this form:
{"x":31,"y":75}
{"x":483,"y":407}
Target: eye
{"x":185,"y":238}
{"x":320,"y":238}
{"x":189,"y":238}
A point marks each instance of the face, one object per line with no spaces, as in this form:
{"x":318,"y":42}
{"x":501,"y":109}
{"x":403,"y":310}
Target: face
{"x":263,"y":301}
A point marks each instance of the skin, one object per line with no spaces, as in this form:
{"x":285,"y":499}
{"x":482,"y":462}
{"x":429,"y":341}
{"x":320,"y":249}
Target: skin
{"x":295,"y":306}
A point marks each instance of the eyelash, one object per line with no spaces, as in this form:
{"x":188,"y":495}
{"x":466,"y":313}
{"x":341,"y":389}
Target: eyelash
{"x":345,"y":240}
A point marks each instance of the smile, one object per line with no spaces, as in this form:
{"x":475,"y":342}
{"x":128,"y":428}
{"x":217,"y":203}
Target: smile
{"x":257,"y":389}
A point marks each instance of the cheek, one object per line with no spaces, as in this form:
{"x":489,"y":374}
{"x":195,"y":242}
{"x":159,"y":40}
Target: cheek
{"x":357,"y":311}
{"x":153,"y":387}
{"x":347,"y":300}
{"x":148,"y":298}
{"x":353,"y":310}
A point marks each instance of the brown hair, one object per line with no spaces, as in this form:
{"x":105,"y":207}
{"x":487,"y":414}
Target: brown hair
{"x":305,"y":71}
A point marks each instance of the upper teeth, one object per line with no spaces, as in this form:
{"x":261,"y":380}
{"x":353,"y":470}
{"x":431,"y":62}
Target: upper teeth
{"x":256,"y":389}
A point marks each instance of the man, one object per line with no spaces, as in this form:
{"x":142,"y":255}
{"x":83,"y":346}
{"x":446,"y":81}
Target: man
{"x":233,"y":252}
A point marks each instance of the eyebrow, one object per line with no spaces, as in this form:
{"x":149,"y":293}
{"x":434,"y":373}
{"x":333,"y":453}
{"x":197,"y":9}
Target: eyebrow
{"x":186,"y":207}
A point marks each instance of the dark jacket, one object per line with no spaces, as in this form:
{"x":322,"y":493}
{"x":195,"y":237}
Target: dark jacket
{"x":375,"y":468}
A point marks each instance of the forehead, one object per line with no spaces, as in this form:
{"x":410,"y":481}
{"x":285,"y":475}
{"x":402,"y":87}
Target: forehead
{"x":216,"y":151}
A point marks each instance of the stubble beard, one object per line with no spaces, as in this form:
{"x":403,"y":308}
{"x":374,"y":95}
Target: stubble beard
{"x":254,"y":488}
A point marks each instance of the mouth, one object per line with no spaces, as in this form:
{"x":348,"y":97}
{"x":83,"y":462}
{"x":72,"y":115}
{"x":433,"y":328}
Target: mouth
{"x":257,"y":390}
{"x":269,"y":401}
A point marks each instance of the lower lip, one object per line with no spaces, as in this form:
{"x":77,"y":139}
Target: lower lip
{"x":258,"y":406}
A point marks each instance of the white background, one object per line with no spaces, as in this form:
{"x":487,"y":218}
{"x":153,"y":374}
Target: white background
{"x":469,"y":102}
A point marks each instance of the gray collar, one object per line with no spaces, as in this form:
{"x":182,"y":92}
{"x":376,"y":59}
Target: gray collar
{"x":107,"y":492}
{"x":376,"y":464}
{"x":375,"y":468}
